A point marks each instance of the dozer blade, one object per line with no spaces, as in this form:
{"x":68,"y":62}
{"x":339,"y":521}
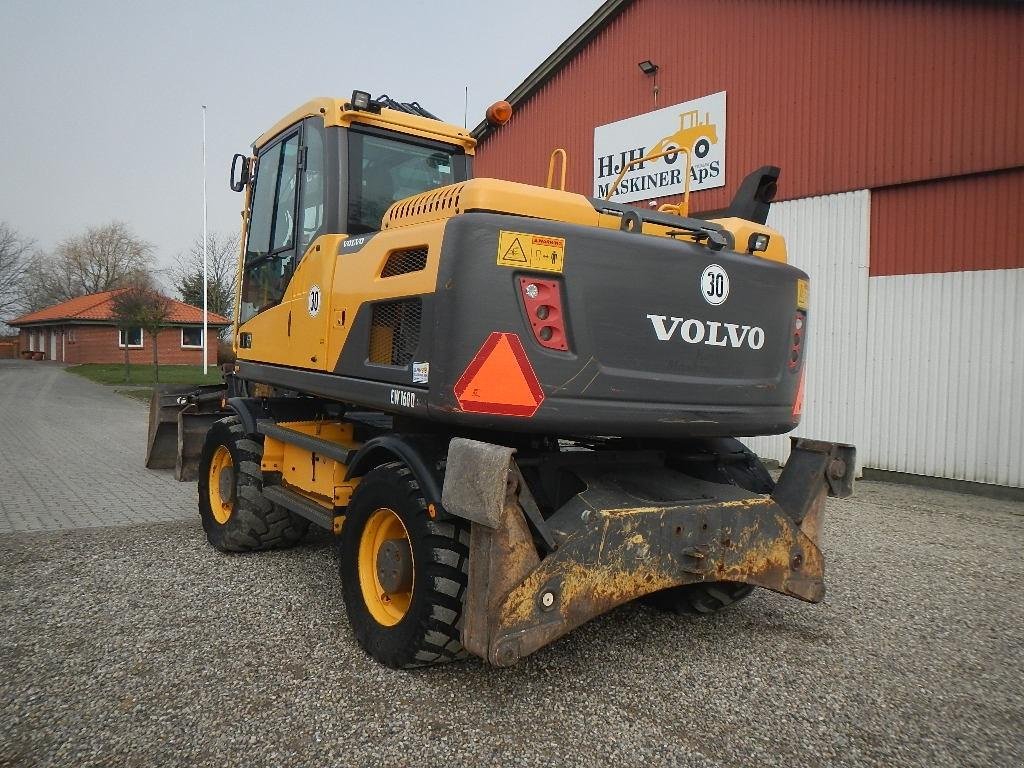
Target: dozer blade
{"x":179,"y":417}
{"x":192,"y":429}
{"x":164,"y":407}
{"x":632,"y":531}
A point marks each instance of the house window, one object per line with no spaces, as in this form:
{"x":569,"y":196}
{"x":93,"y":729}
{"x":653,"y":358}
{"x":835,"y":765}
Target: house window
{"x":192,"y":337}
{"x":133,"y":336}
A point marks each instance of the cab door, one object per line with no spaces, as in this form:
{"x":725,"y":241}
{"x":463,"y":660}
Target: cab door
{"x":288,"y":265}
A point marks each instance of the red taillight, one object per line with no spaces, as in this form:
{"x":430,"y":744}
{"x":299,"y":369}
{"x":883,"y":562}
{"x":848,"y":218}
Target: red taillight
{"x":799,"y":329}
{"x":543,"y":302}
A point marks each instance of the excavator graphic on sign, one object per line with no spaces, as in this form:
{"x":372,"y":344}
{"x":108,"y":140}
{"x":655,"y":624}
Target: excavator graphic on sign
{"x":693,"y":134}
{"x":694,"y":138}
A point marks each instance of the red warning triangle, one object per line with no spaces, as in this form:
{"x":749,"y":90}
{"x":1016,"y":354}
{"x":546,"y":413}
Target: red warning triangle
{"x":499,"y":379}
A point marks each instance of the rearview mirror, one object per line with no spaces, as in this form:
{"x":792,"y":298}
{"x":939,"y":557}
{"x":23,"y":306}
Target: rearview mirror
{"x":239,"y":181}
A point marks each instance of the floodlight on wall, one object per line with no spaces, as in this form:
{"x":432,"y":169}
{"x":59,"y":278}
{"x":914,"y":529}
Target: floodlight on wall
{"x":648,"y":67}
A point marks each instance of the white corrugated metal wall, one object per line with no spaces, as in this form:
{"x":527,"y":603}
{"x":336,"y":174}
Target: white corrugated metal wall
{"x":828,"y":238}
{"x":947,"y":375}
{"x":923,"y":373}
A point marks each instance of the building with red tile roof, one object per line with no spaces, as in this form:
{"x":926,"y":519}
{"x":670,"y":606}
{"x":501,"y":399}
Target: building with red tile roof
{"x":83,"y":330}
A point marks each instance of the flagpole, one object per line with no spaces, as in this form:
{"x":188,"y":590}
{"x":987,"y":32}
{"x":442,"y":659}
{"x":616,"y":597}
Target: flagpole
{"x":205,"y":299}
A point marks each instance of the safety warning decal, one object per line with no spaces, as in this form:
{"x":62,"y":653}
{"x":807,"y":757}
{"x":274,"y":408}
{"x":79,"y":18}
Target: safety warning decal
{"x":526,"y":251}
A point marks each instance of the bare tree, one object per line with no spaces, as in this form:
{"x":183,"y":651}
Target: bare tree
{"x":221,"y":273}
{"x":156,"y":309}
{"x":15,"y":260}
{"x":141,"y":306}
{"x":100,"y":259}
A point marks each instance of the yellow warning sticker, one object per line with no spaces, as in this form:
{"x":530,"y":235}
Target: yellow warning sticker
{"x":802,"y":294}
{"x":526,"y":251}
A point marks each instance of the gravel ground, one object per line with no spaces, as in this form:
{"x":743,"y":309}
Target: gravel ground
{"x":140,"y":645}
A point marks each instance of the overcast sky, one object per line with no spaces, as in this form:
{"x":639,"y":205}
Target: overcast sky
{"x":101,"y":101}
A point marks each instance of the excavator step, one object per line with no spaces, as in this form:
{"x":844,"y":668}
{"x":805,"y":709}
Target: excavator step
{"x":300,"y":505}
{"x":307,"y":442}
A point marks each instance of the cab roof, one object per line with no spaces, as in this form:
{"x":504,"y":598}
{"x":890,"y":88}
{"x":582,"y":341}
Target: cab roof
{"x":338,"y":112}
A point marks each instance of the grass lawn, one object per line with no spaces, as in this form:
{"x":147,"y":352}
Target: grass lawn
{"x":141,"y":376}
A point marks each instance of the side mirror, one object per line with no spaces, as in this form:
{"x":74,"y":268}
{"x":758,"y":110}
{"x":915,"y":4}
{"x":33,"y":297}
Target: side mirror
{"x":239,"y":178}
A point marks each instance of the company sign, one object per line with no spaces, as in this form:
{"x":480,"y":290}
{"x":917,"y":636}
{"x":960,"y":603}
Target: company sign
{"x":698,"y":124}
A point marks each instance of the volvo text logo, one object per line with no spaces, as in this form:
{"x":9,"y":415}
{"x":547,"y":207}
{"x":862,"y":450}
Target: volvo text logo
{"x":709,"y":332}
{"x":714,"y":285}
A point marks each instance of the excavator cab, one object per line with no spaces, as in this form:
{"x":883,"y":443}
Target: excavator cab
{"x":311,"y":179}
{"x":314,"y":183}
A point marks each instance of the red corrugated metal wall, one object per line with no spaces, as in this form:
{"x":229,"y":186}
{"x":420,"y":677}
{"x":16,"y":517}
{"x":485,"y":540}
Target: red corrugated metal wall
{"x":953,"y":225}
{"x":842,"y":95}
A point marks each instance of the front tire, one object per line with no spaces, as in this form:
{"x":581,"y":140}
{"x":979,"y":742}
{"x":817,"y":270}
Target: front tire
{"x":235,"y":514}
{"x":403,"y":572}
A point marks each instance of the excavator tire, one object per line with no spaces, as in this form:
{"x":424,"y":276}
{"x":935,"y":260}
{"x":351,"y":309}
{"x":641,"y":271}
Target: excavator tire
{"x":700,"y":598}
{"x":235,"y":514}
{"x":736,"y":465}
{"x":403,"y":571}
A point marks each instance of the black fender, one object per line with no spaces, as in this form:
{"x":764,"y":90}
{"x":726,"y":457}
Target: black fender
{"x":422,"y":454}
{"x":248,"y":409}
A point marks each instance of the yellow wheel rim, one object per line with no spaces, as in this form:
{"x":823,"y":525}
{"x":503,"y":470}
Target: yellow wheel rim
{"x":386,"y":607}
{"x":219,"y":505}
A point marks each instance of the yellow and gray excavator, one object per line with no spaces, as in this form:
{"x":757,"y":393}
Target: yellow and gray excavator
{"x":515,"y":406}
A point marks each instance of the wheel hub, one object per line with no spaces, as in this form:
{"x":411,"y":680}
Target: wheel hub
{"x":226,"y":484}
{"x":394,"y":565}
{"x":221,"y":485}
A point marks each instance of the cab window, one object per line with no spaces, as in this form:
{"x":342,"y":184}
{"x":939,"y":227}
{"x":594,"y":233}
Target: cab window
{"x":312,"y":207}
{"x":383,"y":170}
{"x":263,"y":203}
{"x":284,"y":208}
{"x":270,"y":248}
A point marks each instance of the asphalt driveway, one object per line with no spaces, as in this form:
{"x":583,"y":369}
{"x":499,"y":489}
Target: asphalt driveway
{"x":72,"y":453}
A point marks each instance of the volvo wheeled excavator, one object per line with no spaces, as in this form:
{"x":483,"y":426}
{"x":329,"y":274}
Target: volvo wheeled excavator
{"x":516,"y":407}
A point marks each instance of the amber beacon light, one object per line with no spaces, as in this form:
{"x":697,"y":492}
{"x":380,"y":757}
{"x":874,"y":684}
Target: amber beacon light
{"x":499,"y":113}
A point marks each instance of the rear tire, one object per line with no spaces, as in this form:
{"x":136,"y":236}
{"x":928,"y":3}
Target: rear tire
{"x":415,"y":624}
{"x":701,"y":598}
{"x":733,"y":464}
{"x":723,"y":460}
{"x":235,"y":514}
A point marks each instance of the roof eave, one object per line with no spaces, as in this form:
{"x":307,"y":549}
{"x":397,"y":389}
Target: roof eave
{"x":95,"y":321}
{"x":573,"y":44}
